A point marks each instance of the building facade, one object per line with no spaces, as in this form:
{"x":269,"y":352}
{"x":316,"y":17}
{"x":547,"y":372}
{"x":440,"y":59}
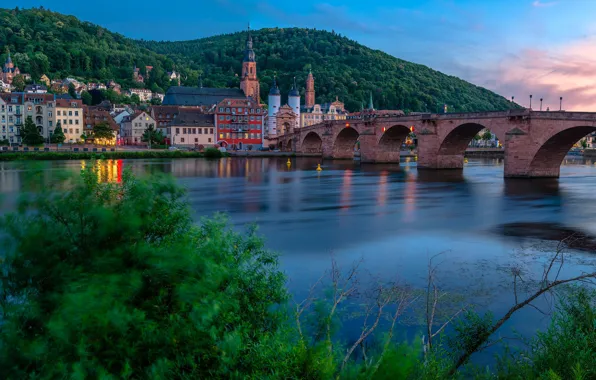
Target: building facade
{"x":163,"y":116}
{"x":192,"y":128}
{"x":11,"y":117}
{"x":133,"y":127}
{"x":93,"y":116}
{"x":313,"y":113}
{"x":42,"y":110}
{"x":239,"y":123}
{"x":144,"y":94}
{"x":69,"y":112}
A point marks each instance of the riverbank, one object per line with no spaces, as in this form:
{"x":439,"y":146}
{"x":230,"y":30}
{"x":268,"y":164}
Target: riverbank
{"x":51,"y":156}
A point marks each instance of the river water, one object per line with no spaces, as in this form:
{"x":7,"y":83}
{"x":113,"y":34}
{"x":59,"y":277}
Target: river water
{"x":392,"y":217}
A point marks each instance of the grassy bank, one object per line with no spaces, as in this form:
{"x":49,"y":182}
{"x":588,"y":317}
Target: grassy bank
{"x":50,"y":156}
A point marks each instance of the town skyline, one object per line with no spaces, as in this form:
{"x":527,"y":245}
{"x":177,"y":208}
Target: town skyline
{"x":516,"y":49}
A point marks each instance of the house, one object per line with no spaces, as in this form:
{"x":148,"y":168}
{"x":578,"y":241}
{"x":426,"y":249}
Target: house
{"x":163,"y":116}
{"x":96,"y":115}
{"x":69,"y":113}
{"x":41,"y":109}
{"x":193,"y":128}
{"x":239,"y":123}
{"x":11,"y":117}
{"x":119,"y":117}
{"x":144,"y":94}
{"x":112,"y":85}
{"x":36,"y":89}
{"x":133,"y":127}
{"x":45,"y":80}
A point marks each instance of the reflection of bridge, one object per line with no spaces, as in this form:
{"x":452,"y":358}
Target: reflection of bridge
{"x":535,"y":143}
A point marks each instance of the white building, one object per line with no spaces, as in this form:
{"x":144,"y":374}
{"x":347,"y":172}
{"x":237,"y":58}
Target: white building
{"x":290,"y":114}
{"x":133,"y":127}
{"x":144,"y":94}
{"x":274,"y":104}
{"x":69,"y":112}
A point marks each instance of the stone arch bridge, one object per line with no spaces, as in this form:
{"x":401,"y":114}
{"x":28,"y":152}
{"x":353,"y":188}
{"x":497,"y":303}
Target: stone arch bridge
{"x":535,"y":143}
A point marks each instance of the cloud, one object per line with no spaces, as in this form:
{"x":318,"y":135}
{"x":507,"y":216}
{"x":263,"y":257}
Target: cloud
{"x":540,"y":4}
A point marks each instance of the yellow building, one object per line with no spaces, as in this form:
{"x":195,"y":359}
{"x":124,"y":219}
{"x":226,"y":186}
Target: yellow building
{"x":69,"y":112}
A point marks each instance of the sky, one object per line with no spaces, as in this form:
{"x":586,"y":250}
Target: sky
{"x":516,"y":48}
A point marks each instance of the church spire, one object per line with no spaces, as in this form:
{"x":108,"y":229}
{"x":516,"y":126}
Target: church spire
{"x":249,"y":54}
{"x":370,"y":102}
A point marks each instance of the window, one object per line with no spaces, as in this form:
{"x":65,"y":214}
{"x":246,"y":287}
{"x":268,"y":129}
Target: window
{"x":70,"y":121}
{"x":77,"y":131}
{"x":177,"y":131}
{"x":228,"y":117}
{"x":227,"y":110}
{"x":220,"y":109}
{"x":70,"y":131}
{"x":182,"y":139}
{"x":209,"y":139}
{"x":239,"y":109}
{"x":258,"y":110}
{"x":194,"y":131}
{"x":50,"y":123}
{"x":196,"y":140}
{"x":69,"y":113}
{"x":58,"y":112}
{"x":50,"y":114}
{"x":252,"y":118}
{"x":76,"y":113}
{"x":228,"y":135}
{"x":200,"y":131}
{"x":258,"y":118}
{"x":211,"y":130}
{"x":77,"y":121}
{"x":221,"y":136}
{"x":221,"y":117}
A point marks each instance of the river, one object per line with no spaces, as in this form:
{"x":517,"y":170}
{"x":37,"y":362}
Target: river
{"x":393,"y":217}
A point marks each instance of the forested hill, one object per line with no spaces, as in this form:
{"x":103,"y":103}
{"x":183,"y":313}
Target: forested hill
{"x":46,"y":42}
{"x":341,"y":67}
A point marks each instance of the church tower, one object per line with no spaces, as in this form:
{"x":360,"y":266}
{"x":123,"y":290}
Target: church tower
{"x":309,"y":98}
{"x":274,"y":104}
{"x":249,"y":83}
{"x":294,"y":102}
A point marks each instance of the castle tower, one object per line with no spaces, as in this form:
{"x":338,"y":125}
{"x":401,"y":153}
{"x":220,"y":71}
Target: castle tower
{"x":249,"y":83}
{"x":274,"y":104}
{"x":294,"y":102}
{"x":309,"y":96}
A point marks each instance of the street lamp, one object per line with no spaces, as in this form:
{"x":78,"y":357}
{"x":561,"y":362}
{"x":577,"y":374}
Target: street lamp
{"x":561,"y":103}
{"x":540,"y":104}
{"x":530,"y":102}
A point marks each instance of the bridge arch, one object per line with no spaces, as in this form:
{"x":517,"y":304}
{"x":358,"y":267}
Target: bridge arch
{"x":392,"y":138}
{"x":547,"y":160}
{"x":344,"y":142}
{"x":457,"y":141}
{"x":312,"y":143}
{"x":289,"y":146}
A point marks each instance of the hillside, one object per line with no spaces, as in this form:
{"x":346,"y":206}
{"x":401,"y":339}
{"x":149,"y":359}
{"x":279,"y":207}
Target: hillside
{"x":46,"y":42}
{"x":341,"y":67}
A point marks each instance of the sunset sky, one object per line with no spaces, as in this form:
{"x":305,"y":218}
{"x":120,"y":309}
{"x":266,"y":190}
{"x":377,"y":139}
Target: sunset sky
{"x":513,"y":47}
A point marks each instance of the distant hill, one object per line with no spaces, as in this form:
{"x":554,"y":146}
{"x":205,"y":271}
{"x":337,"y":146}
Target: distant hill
{"x":341,"y":67}
{"x":45,"y":42}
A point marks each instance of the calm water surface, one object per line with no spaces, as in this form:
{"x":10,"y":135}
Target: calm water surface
{"x":392,"y":216}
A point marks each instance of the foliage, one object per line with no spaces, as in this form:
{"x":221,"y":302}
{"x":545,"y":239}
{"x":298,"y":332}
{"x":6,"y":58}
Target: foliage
{"x":4,"y":142}
{"x":30,"y":133}
{"x":45,"y":42}
{"x":60,"y":46}
{"x":103,"y":131}
{"x":86,"y":98}
{"x":72,"y":91}
{"x":584,"y":143}
{"x":153,"y":136}
{"x":212,"y":153}
{"x":50,"y":156}
{"x":123,"y":264}
{"x":58,"y":135}
{"x":18,"y":82}
{"x":487,"y":136}
{"x":341,"y":67}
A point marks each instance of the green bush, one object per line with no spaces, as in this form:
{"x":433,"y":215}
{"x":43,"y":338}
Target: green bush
{"x":212,"y":153}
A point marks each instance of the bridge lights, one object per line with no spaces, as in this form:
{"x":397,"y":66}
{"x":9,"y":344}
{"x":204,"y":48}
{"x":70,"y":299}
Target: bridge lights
{"x":384,"y":129}
{"x":347,"y":125}
{"x":412,"y":128}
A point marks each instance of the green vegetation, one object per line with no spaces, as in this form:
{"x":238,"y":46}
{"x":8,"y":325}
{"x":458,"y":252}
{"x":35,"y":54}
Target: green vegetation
{"x":152,"y":136}
{"x":127,"y":286}
{"x":60,"y":46}
{"x":31,"y":135}
{"x":58,"y":135}
{"x":341,"y":67}
{"x":50,"y":156}
{"x":45,"y":42}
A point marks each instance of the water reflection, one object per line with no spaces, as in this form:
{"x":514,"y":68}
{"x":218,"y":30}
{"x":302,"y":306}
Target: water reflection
{"x":531,"y":188}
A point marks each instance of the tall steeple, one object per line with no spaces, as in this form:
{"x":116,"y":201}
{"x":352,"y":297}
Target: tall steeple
{"x":249,"y":82}
{"x":309,"y":94}
{"x":370,"y":103}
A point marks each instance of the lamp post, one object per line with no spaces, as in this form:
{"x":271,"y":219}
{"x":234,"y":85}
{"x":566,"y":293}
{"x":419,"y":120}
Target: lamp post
{"x":530,"y":102}
{"x":540,"y":104}
{"x":561,"y":103}
{"x":512,"y":97}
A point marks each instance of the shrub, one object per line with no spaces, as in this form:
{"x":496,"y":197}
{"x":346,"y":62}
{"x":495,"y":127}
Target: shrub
{"x":212,"y":153}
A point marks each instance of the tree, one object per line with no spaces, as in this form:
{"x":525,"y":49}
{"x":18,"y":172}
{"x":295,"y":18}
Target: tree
{"x":18,"y":82}
{"x":487,"y":135}
{"x":58,"y":135}
{"x":31,"y":135}
{"x":72,"y":91}
{"x":127,"y":278}
{"x":155,"y":101}
{"x":152,"y":136}
{"x":87,"y":98}
{"x":103,"y":131}
{"x":584,"y":143}
{"x":134,"y":99}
